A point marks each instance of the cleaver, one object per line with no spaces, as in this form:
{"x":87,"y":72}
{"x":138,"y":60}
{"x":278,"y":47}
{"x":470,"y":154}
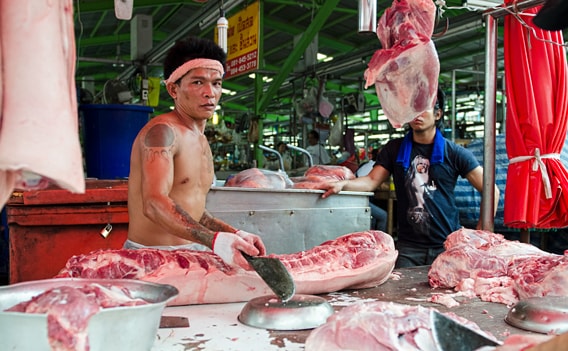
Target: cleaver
{"x":274,"y":274}
{"x":451,"y":335}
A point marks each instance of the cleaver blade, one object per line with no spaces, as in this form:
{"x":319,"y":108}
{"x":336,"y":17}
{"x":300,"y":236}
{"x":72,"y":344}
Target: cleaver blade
{"x":274,"y":274}
{"x":450,"y":335}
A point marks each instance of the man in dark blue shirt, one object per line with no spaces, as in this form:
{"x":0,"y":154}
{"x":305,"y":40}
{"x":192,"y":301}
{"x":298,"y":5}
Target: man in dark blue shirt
{"x":425,"y":167}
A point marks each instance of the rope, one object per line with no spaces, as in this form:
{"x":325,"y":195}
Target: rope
{"x":538,"y":162}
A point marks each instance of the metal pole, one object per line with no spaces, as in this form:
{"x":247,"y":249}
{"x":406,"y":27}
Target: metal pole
{"x":488,"y":200}
{"x":454,"y":111}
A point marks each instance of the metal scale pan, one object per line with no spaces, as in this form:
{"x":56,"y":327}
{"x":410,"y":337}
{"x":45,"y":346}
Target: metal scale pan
{"x":547,"y":314}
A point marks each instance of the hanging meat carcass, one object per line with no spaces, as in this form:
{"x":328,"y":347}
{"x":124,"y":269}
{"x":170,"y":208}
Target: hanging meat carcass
{"x":405,"y":70}
{"x":39,"y":138}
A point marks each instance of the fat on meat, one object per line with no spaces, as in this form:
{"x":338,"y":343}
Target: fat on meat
{"x":39,"y":135}
{"x":378,"y":326}
{"x":405,"y":70}
{"x":497,"y":269}
{"x":315,"y":176}
{"x":355,"y":260}
{"x":69,"y":310}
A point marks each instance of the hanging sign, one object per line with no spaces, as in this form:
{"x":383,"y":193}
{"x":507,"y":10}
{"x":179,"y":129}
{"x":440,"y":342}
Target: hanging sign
{"x":243,"y":37}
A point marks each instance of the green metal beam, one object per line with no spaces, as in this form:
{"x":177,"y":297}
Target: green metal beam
{"x":98,"y":24}
{"x":115,"y":39}
{"x":303,"y":43}
{"x":105,"y":5}
{"x":294,"y":30}
{"x":308,"y":5}
{"x":168,"y":16}
{"x":233,"y":106}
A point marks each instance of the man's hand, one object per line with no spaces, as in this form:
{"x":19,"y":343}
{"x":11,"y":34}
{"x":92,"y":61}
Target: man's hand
{"x":253,"y":239}
{"x":332,"y":188}
{"x":228,"y":246}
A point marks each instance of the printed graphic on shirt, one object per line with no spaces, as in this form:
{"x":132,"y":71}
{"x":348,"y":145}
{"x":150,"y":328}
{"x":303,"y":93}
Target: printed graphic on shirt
{"x":419,"y":187}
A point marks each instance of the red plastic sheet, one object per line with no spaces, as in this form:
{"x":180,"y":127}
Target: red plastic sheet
{"x":537,"y":108}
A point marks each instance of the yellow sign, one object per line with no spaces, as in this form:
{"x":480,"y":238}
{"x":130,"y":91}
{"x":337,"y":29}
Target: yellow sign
{"x":153,"y":91}
{"x":243,"y":36}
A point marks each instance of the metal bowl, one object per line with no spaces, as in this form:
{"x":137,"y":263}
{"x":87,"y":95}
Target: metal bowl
{"x":548,"y":314}
{"x":299,"y":313}
{"x":120,"y":328}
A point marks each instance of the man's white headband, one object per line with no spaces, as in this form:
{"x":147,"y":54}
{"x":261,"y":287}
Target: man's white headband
{"x":195,"y":63}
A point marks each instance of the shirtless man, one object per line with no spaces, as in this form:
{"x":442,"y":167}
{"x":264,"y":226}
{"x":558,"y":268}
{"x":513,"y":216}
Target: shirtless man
{"x":171,"y":165}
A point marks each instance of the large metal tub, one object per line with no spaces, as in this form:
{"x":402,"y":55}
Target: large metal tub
{"x":291,"y":220}
{"x":131,"y":328}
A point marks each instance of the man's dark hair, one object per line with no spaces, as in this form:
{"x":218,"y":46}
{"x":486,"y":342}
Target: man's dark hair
{"x":192,"y":48}
{"x":314,"y":133}
{"x":440,"y":105}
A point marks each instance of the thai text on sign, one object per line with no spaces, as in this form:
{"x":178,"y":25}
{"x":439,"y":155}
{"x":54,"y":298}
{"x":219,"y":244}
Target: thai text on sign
{"x":242,"y":41}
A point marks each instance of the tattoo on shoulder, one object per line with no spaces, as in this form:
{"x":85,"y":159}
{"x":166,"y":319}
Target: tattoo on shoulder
{"x":160,"y":135}
{"x":159,"y":141}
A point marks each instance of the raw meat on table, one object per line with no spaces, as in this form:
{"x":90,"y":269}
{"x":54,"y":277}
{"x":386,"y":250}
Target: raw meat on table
{"x":260,"y":179}
{"x":356,"y":260}
{"x":405,"y":70}
{"x":377,"y":326}
{"x":69,"y":310}
{"x":330,"y":171}
{"x":317,"y":175}
{"x":39,"y":134}
{"x":497,"y":269}
{"x":382,"y":326}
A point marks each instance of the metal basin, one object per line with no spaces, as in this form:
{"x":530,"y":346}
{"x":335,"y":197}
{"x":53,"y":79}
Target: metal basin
{"x":131,"y":328}
{"x":548,"y":314}
{"x":299,"y":313}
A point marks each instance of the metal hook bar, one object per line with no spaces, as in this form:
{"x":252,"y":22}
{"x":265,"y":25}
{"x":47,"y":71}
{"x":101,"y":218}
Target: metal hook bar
{"x":277,"y":154}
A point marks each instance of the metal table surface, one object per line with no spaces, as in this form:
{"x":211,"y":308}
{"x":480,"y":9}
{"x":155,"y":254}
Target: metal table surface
{"x":216,"y":326}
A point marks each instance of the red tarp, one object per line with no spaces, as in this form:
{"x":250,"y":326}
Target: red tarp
{"x":537,"y":108}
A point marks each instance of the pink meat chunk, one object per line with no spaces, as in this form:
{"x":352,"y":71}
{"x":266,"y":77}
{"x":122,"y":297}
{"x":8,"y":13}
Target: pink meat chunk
{"x":259,"y":179}
{"x":379,"y":325}
{"x":497,"y":269}
{"x":315,"y":176}
{"x":69,"y":310}
{"x":405,"y":70}
{"x":355,"y":260}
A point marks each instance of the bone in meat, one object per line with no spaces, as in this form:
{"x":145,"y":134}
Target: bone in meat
{"x":356,"y":260}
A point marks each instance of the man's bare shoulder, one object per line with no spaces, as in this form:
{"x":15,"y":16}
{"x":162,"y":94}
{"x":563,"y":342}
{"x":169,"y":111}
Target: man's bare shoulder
{"x":160,"y":129}
{"x":168,"y":118}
